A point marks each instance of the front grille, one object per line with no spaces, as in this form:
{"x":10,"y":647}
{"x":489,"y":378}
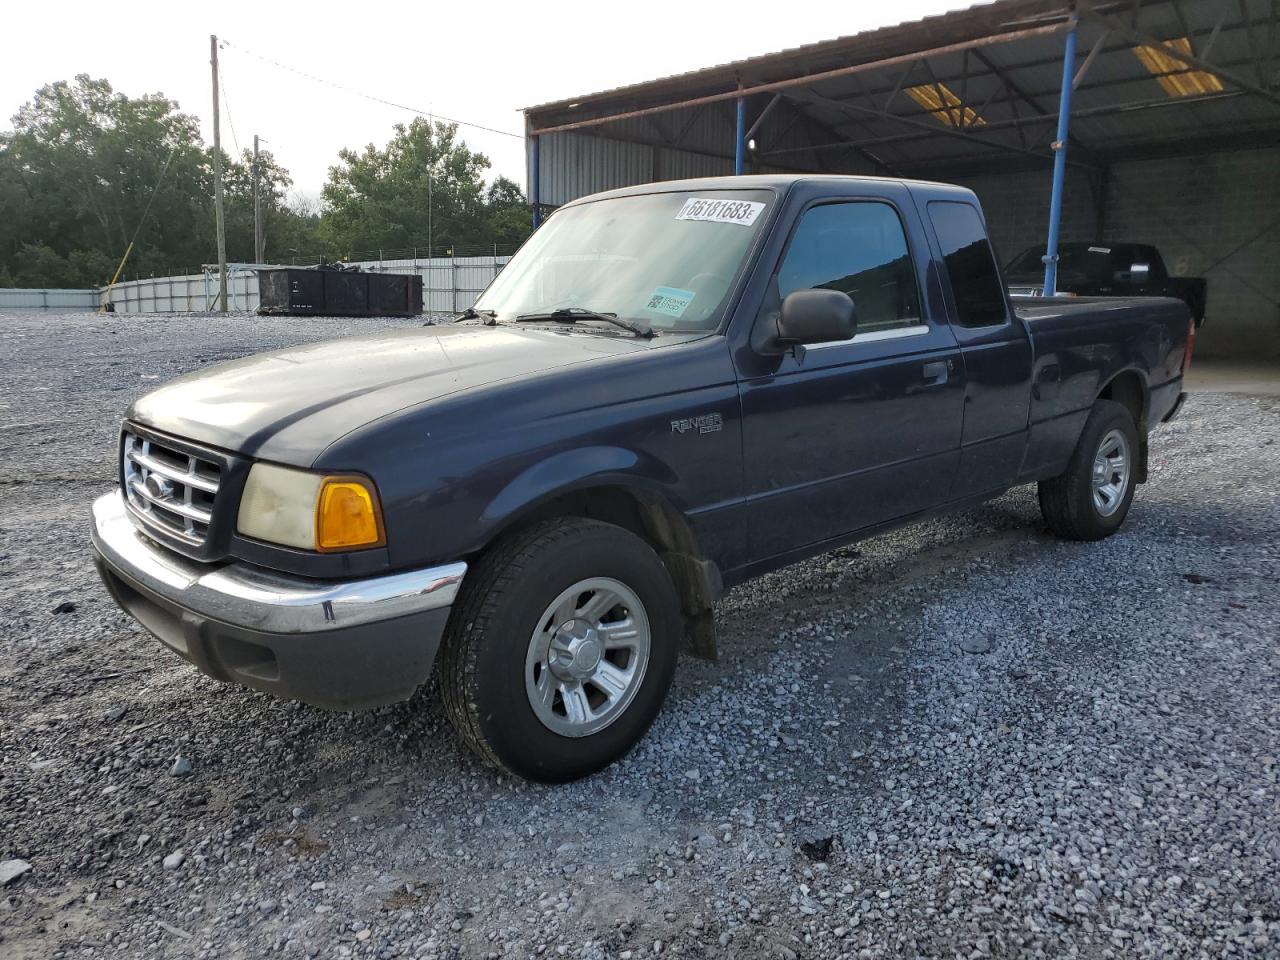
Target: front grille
{"x":168,"y":488}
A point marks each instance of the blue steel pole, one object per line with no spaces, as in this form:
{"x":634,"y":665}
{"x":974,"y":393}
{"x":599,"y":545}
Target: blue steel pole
{"x":1060,"y":164}
{"x":740,"y":144}
{"x":535,"y":180}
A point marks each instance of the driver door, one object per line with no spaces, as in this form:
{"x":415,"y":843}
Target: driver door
{"x":842,"y":436}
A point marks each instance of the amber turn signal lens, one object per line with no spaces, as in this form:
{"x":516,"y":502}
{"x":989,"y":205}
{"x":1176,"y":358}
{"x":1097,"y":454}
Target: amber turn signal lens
{"x":347,"y":515}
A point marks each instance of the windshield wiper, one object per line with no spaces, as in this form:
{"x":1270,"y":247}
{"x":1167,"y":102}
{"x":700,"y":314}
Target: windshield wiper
{"x":471,"y":313}
{"x":574,"y":314}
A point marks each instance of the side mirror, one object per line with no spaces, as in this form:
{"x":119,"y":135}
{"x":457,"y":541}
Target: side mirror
{"x":817,"y":316}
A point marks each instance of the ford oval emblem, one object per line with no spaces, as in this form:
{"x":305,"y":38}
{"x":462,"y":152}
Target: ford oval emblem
{"x":158,"y":487}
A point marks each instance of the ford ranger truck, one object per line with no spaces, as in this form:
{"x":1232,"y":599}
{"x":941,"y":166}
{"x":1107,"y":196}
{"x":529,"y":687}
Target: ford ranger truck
{"x":669,"y":390}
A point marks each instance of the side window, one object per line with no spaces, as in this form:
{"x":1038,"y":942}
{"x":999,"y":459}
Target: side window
{"x":1151,"y":257}
{"x":860,"y":249}
{"x":971,"y":267}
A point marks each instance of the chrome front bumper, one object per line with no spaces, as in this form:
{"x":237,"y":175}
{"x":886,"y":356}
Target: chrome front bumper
{"x":340,"y":643}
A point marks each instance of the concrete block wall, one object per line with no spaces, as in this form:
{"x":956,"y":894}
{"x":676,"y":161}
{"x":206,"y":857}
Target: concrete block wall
{"x":1216,"y":216}
{"x":1017,"y":209}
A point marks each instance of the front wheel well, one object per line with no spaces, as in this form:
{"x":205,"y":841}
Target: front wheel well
{"x":651,"y":518}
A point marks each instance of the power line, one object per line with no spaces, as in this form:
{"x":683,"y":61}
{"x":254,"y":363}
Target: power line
{"x":369,"y":96}
{"x":226,"y":102}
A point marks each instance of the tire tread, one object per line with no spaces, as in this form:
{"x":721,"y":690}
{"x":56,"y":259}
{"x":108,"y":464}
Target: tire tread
{"x":1066,"y":500}
{"x":483,"y":594}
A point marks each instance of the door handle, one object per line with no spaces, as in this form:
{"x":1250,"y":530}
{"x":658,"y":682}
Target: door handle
{"x":935,"y":373}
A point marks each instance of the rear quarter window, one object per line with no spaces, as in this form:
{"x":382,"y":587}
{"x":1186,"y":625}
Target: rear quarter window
{"x":971,"y":266}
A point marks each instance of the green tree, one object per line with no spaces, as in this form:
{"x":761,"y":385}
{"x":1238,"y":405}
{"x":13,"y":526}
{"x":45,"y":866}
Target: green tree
{"x":287,"y":232}
{"x":424,"y":184}
{"x":76,"y":174}
{"x":82,"y":162}
{"x":297,"y":235}
{"x":507,"y":214}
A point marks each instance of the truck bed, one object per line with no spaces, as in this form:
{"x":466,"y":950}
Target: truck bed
{"x":1082,"y":344}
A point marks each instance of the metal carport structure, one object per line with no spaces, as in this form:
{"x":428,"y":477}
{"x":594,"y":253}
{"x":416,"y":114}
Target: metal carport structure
{"x":974,"y":96}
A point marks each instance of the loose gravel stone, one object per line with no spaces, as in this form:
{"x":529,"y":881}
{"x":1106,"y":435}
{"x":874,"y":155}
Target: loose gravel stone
{"x":11,"y":870}
{"x":1101,"y":782}
{"x":975,"y":645}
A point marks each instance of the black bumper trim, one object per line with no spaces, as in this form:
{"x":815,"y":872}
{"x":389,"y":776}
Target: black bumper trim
{"x":350,"y":668}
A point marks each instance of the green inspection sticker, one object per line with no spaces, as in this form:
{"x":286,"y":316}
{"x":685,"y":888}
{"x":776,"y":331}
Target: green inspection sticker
{"x":670,"y":301}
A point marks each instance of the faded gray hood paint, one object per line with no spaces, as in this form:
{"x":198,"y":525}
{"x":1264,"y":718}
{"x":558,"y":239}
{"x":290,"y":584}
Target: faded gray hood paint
{"x":288,"y":405}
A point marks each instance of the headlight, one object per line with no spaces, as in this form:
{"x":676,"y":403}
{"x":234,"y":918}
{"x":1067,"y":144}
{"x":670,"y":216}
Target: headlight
{"x":310,"y":511}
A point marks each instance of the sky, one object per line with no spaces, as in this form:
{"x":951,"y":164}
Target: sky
{"x":479,"y":61}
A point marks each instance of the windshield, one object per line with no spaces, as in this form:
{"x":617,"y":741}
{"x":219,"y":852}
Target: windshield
{"x":666,"y":260}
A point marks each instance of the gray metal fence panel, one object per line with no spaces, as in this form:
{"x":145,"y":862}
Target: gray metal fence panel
{"x":449,"y":284}
{"x":51,"y":300}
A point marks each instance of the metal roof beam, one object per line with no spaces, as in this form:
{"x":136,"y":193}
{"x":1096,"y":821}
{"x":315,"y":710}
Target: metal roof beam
{"x":1121,"y":46}
{"x":902,"y":78}
{"x":1221,"y":140}
{"x":796,"y":115}
{"x":1253,"y":45}
{"x":808,"y":80}
{"x":1182,"y":22}
{"x":684,"y":131}
{"x":1072,"y":139}
{"x":956,"y":119}
{"x":811,"y":124}
{"x":1110,"y":85}
{"x":932,"y":126}
{"x":1138,"y":37}
{"x":751,"y":130}
{"x":1089,"y":58}
{"x":1213,"y":37}
{"x":1038,"y":118}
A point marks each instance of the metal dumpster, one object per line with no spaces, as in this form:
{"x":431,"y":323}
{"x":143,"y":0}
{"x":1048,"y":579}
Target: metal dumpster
{"x":338,"y":291}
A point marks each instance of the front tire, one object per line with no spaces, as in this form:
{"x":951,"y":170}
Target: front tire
{"x":1091,"y":499}
{"x":561,"y":649}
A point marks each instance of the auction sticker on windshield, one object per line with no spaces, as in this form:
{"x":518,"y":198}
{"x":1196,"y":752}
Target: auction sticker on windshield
{"x":741,"y":212}
{"x":670,"y":301}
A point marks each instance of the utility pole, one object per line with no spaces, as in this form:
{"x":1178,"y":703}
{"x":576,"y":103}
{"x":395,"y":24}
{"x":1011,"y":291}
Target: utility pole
{"x":217,"y":181}
{"x":259,"y":239}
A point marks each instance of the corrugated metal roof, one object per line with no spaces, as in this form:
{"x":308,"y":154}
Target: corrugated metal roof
{"x":1002,"y":59}
{"x":981,"y":19}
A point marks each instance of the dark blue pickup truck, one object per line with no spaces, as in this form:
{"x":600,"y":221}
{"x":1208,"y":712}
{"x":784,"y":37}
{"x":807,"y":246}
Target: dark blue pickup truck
{"x":669,"y":390}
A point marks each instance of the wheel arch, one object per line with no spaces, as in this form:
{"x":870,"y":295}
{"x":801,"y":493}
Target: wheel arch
{"x":1129,"y":389}
{"x":607,"y":485}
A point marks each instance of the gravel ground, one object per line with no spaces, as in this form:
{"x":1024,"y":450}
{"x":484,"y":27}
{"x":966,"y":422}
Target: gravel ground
{"x":960,"y":739}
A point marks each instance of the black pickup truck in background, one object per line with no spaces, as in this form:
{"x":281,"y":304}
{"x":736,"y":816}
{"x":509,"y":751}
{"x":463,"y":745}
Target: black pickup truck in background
{"x":1106,"y":270}
{"x":669,"y":390}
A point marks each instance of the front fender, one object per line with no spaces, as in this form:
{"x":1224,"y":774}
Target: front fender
{"x":578,"y":469}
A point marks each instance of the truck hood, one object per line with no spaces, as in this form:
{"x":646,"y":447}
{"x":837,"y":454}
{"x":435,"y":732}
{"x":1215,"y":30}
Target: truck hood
{"x":289,"y":405}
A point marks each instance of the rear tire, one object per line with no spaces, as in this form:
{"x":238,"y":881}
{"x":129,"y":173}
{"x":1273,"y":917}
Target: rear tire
{"x":1091,"y":499}
{"x":561,"y":649}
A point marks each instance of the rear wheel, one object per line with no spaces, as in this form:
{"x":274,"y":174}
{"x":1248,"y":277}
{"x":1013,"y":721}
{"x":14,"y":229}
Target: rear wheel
{"x":561,"y":649}
{"x":1091,"y":499}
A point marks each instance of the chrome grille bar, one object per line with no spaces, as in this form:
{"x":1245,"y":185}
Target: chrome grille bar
{"x":188,"y":476}
{"x":180,"y":507}
{"x":168,"y":488}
